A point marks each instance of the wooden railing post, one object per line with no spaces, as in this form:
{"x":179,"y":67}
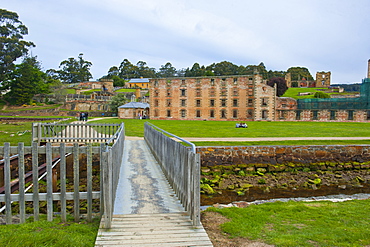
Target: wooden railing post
{"x":174,"y":158}
{"x":107,"y":189}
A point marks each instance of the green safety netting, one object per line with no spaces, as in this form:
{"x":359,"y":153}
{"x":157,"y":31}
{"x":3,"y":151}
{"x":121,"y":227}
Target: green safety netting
{"x":359,"y":103}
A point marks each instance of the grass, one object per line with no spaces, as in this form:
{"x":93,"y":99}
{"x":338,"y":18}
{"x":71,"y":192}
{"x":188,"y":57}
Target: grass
{"x":45,"y":233}
{"x":301,"y":223}
{"x":70,"y":91}
{"x":288,"y":143}
{"x":125,"y":90}
{"x":32,"y":108}
{"x":18,"y":132}
{"x":90,"y":91}
{"x":185,"y":128}
{"x":294,"y":91}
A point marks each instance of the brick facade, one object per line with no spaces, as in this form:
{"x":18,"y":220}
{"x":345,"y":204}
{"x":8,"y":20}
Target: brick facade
{"x":242,"y":98}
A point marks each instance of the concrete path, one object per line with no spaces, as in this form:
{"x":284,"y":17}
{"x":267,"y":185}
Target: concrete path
{"x":246,"y":139}
{"x":147,"y":211}
{"x":251,"y":139}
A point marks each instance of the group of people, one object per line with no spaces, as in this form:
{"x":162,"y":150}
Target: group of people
{"x":241,"y":125}
{"x":141,"y":116}
{"x":83,"y":116}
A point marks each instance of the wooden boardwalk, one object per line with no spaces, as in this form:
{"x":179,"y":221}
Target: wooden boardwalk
{"x":146,"y":211}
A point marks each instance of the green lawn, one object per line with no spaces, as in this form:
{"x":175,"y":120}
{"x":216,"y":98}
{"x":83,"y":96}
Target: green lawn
{"x":90,"y":91}
{"x":301,"y":223}
{"x":125,"y":90}
{"x":19,"y":131}
{"x":294,"y":91}
{"x":44,"y":233}
{"x":184,"y":128}
{"x":70,"y":91}
{"x":288,"y":143}
{"x":32,"y":108}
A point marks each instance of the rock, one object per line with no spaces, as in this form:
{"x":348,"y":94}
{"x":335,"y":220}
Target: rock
{"x":313,"y":186}
{"x":205,"y":170}
{"x":245,"y":186}
{"x":266,"y":189}
{"x":240,"y":193}
{"x":342,"y":186}
{"x":237,"y":169}
{"x":207,"y":189}
{"x":261,"y":170}
{"x":231,"y":187}
{"x":217,"y":205}
{"x":241,"y":204}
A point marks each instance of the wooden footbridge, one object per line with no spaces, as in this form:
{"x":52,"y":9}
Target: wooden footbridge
{"x":157,"y":197}
{"x":149,"y":189}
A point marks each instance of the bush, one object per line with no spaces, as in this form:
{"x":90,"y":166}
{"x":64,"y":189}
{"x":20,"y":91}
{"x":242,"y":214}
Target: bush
{"x":321,"y":95}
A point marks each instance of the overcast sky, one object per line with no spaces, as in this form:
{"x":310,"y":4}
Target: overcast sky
{"x":322,"y":35}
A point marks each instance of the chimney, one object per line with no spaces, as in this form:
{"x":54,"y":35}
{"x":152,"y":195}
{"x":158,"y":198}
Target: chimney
{"x":368,"y":69}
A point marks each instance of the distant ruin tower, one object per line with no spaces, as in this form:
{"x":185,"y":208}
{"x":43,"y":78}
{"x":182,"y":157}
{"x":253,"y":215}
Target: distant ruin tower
{"x":323,"y":79}
{"x":288,"y":79}
{"x":368,"y":69}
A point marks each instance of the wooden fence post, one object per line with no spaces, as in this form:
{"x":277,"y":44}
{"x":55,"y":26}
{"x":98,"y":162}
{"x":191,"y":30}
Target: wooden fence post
{"x":62,"y":166}
{"x":35,"y":175}
{"x":49,"y":182}
{"x":76,"y":183}
{"x":22,"y":205}
{"x":7,"y":178}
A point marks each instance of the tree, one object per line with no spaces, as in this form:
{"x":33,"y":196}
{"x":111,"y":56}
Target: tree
{"x":127,"y":70}
{"x":117,"y":101}
{"x":118,"y":81}
{"x":223,"y":68}
{"x":298,"y":73}
{"x":113,"y":74}
{"x":167,"y":70}
{"x":281,"y":86}
{"x":74,"y":71}
{"x":12,"y":45}
{"x":144,"y":70}
{"x":27,"y":80}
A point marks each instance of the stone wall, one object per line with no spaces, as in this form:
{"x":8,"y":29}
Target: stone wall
{"x":274,"y":155}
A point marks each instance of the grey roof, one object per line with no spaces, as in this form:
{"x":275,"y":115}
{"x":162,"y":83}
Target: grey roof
{"x":135,"y":105}
{"x":137,"y":80}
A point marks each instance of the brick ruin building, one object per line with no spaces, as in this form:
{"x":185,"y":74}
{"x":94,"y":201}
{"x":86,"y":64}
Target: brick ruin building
{"x":322,"y":80}
{"x":97,"y":101}
{"x":242,"y":98}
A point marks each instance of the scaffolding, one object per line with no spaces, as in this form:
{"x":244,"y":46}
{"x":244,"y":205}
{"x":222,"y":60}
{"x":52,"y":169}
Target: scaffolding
{"x":359,"y":103}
